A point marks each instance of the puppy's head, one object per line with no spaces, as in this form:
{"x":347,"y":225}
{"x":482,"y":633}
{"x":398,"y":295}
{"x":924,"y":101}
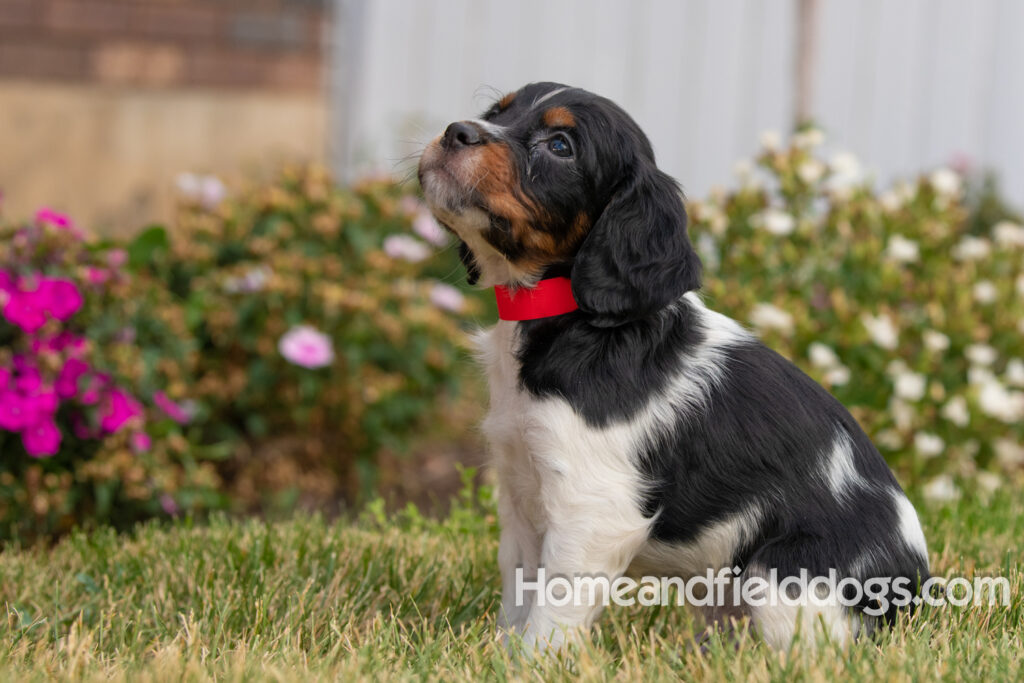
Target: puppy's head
{"x":556,"y":180}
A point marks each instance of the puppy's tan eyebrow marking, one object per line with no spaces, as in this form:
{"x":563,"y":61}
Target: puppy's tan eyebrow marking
{"x":559,"y":117}
{"x":505,"y":101}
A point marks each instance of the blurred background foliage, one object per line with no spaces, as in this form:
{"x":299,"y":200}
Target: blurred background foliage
{"x":299,"y":344}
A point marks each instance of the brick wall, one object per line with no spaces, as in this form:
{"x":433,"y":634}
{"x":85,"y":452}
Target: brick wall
{"x":265,"y":44}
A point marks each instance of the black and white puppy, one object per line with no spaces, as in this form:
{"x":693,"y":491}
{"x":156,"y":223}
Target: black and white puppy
{"x":642,"y":432}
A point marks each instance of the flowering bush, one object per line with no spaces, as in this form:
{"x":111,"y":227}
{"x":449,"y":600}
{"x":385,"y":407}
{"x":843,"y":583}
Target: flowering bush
{"x":325,"y":333}
{"x":85,"y":356}
{"x":911,"y":320}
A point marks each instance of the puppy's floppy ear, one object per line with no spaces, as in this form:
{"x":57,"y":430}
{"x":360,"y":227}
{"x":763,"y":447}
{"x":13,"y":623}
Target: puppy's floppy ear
{"x":466,"y":256}
{"x":637,"y":258}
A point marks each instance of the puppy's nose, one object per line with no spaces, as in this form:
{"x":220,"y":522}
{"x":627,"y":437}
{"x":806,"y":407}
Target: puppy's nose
{"x":461,"y":134}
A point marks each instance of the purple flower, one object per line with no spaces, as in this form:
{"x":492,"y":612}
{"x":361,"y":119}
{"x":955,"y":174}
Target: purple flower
{"x":170,"y":408}
{"x":306,"y":346}
{"x":428,"y":228}
{"x":41,"y":438}
{"x":406,"y":248}
{"x":5,"y":378}
{"x":447,"y":297}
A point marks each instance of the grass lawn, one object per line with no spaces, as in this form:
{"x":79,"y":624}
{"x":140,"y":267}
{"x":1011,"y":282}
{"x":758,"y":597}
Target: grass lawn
{"x":407,"y":597}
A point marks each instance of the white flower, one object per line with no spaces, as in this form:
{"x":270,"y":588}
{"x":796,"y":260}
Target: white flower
{"x":1015,"y":372}
{"x":707,"y":247}
{"x":1019,"y":283}
{"x":808,"y":139}
{"x":882,"y":330}
{"x":1008,"y":234}
{"x":447,"y":297}
{"x":976,"y":376}
{"x":208,"y":190}
{"x":902,"y":414}
{"x":955,"y":410}
{"x":838,"y":376}
{"x":902,"y":250}
{"x":997,"y":401}
{"x":846,"y":172}
{"x":988,"y":481}
{"x":928,"y":445}
{"x":188,"y":184}
{"x":743,"y":169}
{"x":909,"y":386}
{"x":941,"y":489}
{"x":427,"y":227}
{"x":985,"y":292}
{"x":822,"y":355}
{"x":1009,"y":453}
{"x":894,"y":199}
{"x":889,"y":438}
{"x":945,"y":181}
{"x":769,"y":317}
{"x":935,"y":341}
{"x":770,"y":139}
{"x":406,"y":248}
{"x":810,"y":171}
{"x":972,"y":248}
{"x":774,"y":221}
{"x":981,"y":354}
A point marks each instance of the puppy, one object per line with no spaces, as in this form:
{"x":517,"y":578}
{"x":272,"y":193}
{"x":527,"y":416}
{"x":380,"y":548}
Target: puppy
{"x":633,"y":429}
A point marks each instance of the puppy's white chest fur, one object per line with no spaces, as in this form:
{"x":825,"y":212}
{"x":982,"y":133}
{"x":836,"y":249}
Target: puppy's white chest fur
{"x":551,"y":464}
{"x":547,"y":457}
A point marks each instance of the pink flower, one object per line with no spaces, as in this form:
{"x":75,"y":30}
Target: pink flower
{"x":97,"y":276}
{"x":428,"y":228}
{"x":447,"y":297}
{"x":170,"y":408}
{"x":120,"y":407}
{"x":60,"y":297}
{"x":168,"y":504}
{"x":5,"y":378}
{"x":49,"y":216}
{"x":28,"y":380}
{"x":91,"y":394}
{"x":406,"y":248}
{"x":41,"y":438}
{"x":13,"y":414}
{"x":306,"y":346}
{"x":40,"y":405}
{"x":140,"y":442}
{"x":117,"y":258}
{"x":67,"y":380}
{"x":23,"y":310}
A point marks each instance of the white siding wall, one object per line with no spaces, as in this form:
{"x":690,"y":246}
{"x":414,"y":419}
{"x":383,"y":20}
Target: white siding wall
{"x":905,"y":84}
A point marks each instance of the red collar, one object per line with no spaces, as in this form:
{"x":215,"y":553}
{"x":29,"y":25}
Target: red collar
{"x":548,"y":298}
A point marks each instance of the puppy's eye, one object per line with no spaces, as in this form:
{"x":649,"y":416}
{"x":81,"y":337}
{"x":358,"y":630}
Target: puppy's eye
{"x":560,"y":147}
